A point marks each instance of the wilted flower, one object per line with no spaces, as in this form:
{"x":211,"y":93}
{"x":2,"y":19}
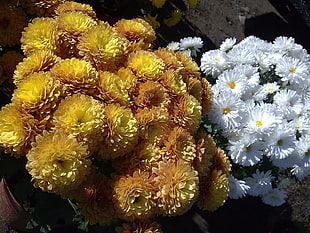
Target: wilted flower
{"x":158,"y":3}
{"x":174,"y":18}
{"x":45,"y":8}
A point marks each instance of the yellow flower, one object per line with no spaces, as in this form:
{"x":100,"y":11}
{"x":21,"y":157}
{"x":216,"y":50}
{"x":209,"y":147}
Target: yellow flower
{"x":213,"y":191}
{"x":173,"y":81}
{"x":41,"y":34}
{"x":94,"y":198}
{"x":133,"y":196}
{"x":145,"y":64}
{"x":122,"y":132}
{"x":8,"y":61}
{"x":207,"y":96}
{"x":57,"y":162}
{"x":128,"y":78}
{"x":169,"y":58}
{"x":192,"y":3}
{"x":139,"y":227}
{"x":174,"y":18}
{"x":152,"y":20}
{"x":221,"y":162}
{"x":138,"y":31}
{"x":177,"y":184}
{"x":45,"y":8}
{"x":13,"y":20}
{"x":188,"y":67}
{"x":76,"y":75}
{"x":103,"y":46}
{"x":39,"y":60}
{"x":158,"y":3}
{"x":81,"y":116}
{"x":194,"y":88}
{"x":112,"y":88}
{"x":71,"y":6}
{"x":17,"y":129}
{"x":39,"y":91}
{"x":187,"y":112}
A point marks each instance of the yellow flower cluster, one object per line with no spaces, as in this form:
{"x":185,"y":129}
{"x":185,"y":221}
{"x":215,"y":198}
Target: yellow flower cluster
{"x":105,"y":119}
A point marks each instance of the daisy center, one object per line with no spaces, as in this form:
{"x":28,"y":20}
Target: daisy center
{"x":226,"y":110}
{"x":292,"y":69}
{"x":280,"y":142}
{"x":259,"y":123}
{"x":307,"y":152}
{"x":232,"y":85}
{"x":216,"y":59}
{"x":248,"y":148}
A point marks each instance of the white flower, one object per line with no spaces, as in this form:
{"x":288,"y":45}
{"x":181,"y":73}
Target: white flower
{"x":239,"y":55}
{"x":237,"y":188}
{"x":260,"y":183}
{"x":265,"y":90}
{"x":232,"y":81}
{"x":228,"y":44}
{"x":300,"y":172}
{"x":214,"y":62}
{"x":191,"y":43}
{"x":283,"y":43}
{"x":287,"y":162}
{"x":187,"y":52}
{"x":302,"y":124}
{"x":174,"y":46}
{"x":249,"y":73}
{"x":275,"y":197}
{"x":303,"y":150}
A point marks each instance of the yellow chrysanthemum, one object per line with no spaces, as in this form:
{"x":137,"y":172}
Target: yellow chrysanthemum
{"x":12,"y":22}
{"x":145,"y":65}
{"x":17,"y":129}
{"x":188,"y":67}
{"x":128,"y":78}
{"x":122,"y":132}
{"x":177,"y":184}
{"x":57,"y":162}
{"x":174,"y":83}
{"x":71,"y":26}
{"x":94,"y":198}
{"x":45,"y":8}
{"x":152,"y":20}
{"x":81,"y":116}
{"x":41,"y":34}
{"x":71,"y":6}
{"x":169,"y":58}
{"x":174,"y":18}
{"x":39,"y":60}
{"x":133,"y":196}
{"x":139,"y":227}
{"x":187,"y":112}
{"x":213,"y":191}
{"x":76,"y":75}
{"x":103,"y":46}
{"x":8,"y":61}
{"x":207,"y":96}
{"x":39,"y":91}
{"x":139,"y":32}
{"x":192,"y":3}
{"x":158,"y":3}
{"x":179,"y":144}
{"x":221,"y":162}
{"x":112,"y":88}
{"x":194,"y":88}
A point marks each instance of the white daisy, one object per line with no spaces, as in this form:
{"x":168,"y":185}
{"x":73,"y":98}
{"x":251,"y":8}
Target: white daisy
{"x":287,"y":162}
{"x":265,"y":90}
{"x":283,"y":43}
{"x":228,"y":44}
{"x":237,"y":188}
{"x":239,"y":55}
{"x":193,"y":44}
{"x":302,"y":124}
{"x":174,"y":46}
{"x":274,"y":197}
{"x":232,"y":81}
{"x":249,"y":73}
{"x":300,"y":172}
{"x":214,"y":62}
{"x":303,"y":150}
{"x":260,"y":183}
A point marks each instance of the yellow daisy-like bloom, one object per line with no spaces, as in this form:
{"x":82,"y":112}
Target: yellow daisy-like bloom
{"x":57,"y":162}
{"x":45,"y":8}
{"x":207,"y":96}
{"x":221,"y":162}
{"x":180,"y":144}
{"x":158,"y":3}
{"x":12,"y":22}
{"x":128,"y":78}
{"x":139,"y":32}
{"x":76,"y":75}
{"x":81,"y":116}
{"x":177,"y":184}
{"x":8,"y":61}
{"x":71,"y":26}
{"x":17,"y":129}
{"x":139,"y":227}
{"x":112,"y":88}
{"x":192,"y":3}
{"x":39,"y":60}
{"x":39,"y":91}
{"x":122,"y":132}
{"x":173,"y":81}
{"x":187,"y":112}
{"x":213,"y":191}
{"x":174,"y":18}
{"x":206,"y":148}
{"x":70,"y":6}
{"x":194,"y":88}
{"x":41,"y":34}
{"x":152,"y":20}
{"x":94,"y":198}
{"x":188,"y":67}
{"x":145,"y":65}
{"x":169,"y":58}
{"x":103,"y":46}
{"x":133,"y":196}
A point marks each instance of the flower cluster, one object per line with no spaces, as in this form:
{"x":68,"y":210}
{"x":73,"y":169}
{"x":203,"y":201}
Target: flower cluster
{"x":261,"y":103}
{"x":106,"y":120}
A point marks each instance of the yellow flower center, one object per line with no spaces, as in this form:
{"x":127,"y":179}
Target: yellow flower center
{"x":216,"y":59}
{"x":226,"y":110}
{"x":292,"y":69}
{"x":307,"y":152}
{"x":280,"y":142}
{"x":232,"y":85}
{"x":248,"y":148}
{"x":259,"y":123}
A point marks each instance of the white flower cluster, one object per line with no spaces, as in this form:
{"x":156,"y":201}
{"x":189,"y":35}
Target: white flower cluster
{"x":262,"y":104}
{"x":189,"y":45}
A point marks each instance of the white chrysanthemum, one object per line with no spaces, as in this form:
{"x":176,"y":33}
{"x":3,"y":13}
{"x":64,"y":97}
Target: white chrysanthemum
{"x":240,"y":55}
{"x":302,"y":124}
{"x":287,"y":162}
{"x":174,"y":46}
{"x":194,"y":44}
{"x":289,"y":103}
{"x":303,"y":150}
{"x":264,"y":90}
{"x":283,"y":44}
{"x":188,"y":52}
{"x":247,"y":151}
{"x":281,"y":143}
{"x":226,"y":111}
{"x":300,"y":172}
{"x":260,"y":183}
{"x":249,"y":94}
{"x":300,"y":53}
{"x":249,"y":73}
{"x":237,"y":188}
{"x":214,"y":62}
{"x":275,"y":197}
{"x":228,"y":44}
